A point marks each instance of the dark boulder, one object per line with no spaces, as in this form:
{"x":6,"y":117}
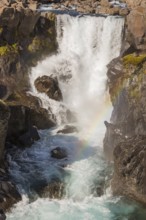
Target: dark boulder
{"x":68,"y":129}
{"x":29,"y":137}
{"x":59,"y":153}
{"x":26,"y":112}
{"x":49,"y":86}
{"x":9,"y":195}
{"x":54,"y":190}
{"x":2,"y":215}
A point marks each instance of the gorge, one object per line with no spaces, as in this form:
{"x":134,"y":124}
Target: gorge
{"x":72,"y":114}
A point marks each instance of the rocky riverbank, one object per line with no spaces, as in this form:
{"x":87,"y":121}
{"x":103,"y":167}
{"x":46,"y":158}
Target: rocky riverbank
{"x":26,"y":36}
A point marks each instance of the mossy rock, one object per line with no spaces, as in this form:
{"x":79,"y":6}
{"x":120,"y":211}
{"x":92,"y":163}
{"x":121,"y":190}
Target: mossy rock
{"x":133,"y":59}
{"x":40,"y":44}
{"x":8,"y":49}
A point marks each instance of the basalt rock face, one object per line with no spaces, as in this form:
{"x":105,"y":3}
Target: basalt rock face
{"x":125,"y":141}
{"x":130,"y":168}
{"x":125,"y":137}
{"x":26,"y":36}
{"x":127,"y":87}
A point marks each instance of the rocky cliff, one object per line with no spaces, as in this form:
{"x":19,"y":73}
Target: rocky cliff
{"x":125,"y":140}
{"x":26,"y":36}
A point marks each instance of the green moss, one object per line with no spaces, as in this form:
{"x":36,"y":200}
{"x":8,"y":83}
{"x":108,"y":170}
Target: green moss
{"x":133,"y":59}
{"x":134,"y":93}
{"x":1,"y":30}
{"x":7,"y":49}
{"x":39,"y":44}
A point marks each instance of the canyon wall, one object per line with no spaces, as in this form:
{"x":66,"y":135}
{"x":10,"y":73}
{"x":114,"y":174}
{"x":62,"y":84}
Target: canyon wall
{"x":125,"y":139}
{"x":27,"y":36}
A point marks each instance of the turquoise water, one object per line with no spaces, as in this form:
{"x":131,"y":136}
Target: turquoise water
{"x":83,"y":173}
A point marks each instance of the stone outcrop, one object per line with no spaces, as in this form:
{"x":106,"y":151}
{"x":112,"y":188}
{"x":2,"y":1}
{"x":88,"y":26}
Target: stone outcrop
{"x":26,"y":112}
{"x":59,"y":153}
{"x":49,"y":85}
{"x":135,"y":32}
{"x":26,"y":36}
{"x":67,"y":129}
{"x":53,"y":190}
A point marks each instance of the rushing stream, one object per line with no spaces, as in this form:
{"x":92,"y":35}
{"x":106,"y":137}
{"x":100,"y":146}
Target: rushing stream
{"x":85,"y":46}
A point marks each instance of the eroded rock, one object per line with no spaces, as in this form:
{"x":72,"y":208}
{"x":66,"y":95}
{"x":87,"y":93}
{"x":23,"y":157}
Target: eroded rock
{"x":68,"y":129}
{"x":49,"y":86}
{"x":59,"y":153}
{"x":54,"y":190}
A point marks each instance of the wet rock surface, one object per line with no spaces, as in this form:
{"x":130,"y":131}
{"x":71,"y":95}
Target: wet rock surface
{"x":49,"y":86}
{"x":59,"y":153}
{"x":9,"y":194}
{"x":53,"y":190}
{"x":68,"y":129}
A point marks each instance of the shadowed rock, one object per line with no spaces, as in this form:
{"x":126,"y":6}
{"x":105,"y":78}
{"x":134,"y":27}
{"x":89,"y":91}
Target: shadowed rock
{"x":130,"y":169}
{"x":49,"y":86}
{"x":59,"y":153}
{"x":68,"y":129}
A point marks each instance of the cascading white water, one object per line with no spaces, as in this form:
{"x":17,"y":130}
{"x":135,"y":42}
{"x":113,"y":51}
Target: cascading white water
{"x":85,"y":46}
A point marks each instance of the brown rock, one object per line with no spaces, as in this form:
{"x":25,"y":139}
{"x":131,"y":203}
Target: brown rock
{"x":123,"y":11}
{"x":49,"y":86}
{"x":105,"y":3}
{"x":133,"y":4}
{"x":136,"y":24}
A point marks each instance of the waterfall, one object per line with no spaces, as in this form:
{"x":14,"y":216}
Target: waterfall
{"x":86,"y":44}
